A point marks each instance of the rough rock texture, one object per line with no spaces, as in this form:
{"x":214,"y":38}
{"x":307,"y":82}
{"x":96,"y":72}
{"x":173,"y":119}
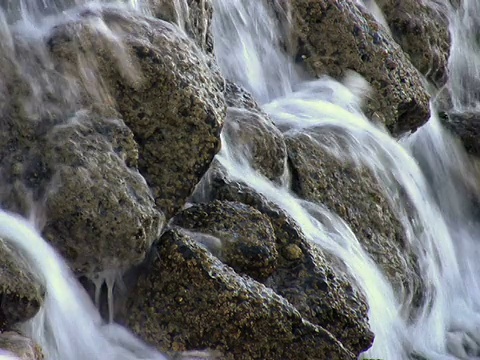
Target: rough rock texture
{"x":255,"y":139}
{"x":192,"y":16}
{"x":102,"y":214}
{"x":467,"y":127}
{"x":312,"y":281}
{"x":22,"y":347}
{"x":422,"y":32}
{"x":353,"y":193}
{"x":169,"y":98}
{"x":246,"y":235}
{"x":188,"y":293}
{"x":20,"y":294}
{"x":335,"y":36}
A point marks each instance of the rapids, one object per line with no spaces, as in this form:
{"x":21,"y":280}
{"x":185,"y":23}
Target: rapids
{"x":429,"y":167}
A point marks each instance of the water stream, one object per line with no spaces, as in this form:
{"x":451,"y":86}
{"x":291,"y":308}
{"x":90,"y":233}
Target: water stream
{"x":427,"y":172}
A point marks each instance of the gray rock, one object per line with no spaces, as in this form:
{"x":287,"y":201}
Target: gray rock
{"x":246,"y":235}
{"x":20,"y":293}
{"x":314,"y":282}
{"x":336,"y":37}
{"x":421,"y":29}
{"x":190,"y":300}
{"x":353,"y":193}
{"x":170,"y":98}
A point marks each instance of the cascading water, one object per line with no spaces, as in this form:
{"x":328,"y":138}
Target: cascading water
{"x":426,"y":172}
{"x":442,"y":233}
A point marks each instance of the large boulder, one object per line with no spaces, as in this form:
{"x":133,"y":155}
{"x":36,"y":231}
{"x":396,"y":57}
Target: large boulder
{"x":162,"y":86}
{"x":316,"y":283}
{"x":21,"y":295}
{"x":98,"y":210}
{"x":421,"y":29}
{"x":335,"y":36}
{"x":353,"y":193}
{"x":192,"y":16}
{"x":19,"y":346}
{"x":247,"y":240}
{"x":190,"y":300}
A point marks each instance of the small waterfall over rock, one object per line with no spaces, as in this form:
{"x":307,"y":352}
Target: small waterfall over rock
{"x":410,"y":248}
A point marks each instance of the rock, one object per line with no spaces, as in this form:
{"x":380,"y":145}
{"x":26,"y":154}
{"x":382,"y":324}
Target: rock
{"x":255,"y":139}
{"x":466,"y":126}
{"x":192,"y":16}
{"x":353,"y":193}
{"x":188,"y":294}
{"x":169,"y":97}
{"x":336,"y":37}
{"x":317,"y":284}
{"x":99,"y":211}
{"x":19,"y":346}
{"x":247,"y":237}
{"x":421,"y":29}
{"x":21,"y":295}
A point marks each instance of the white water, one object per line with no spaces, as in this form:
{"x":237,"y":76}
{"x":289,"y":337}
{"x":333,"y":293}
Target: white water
{"x":443,"y":232}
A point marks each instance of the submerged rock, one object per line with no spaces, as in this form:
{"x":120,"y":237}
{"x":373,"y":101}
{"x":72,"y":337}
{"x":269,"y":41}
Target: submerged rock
{"x":19,"y":346}
{"x":336,"y":37}
{"x":466,"y":126}
{"x":20,"y":293}
{"x":163,"y":88}
{"x":421,"y":29}
{"x":352,"y":192}
{"x":317,"y":284}
{"x":247,"y":240}
{"x":190,"y":300}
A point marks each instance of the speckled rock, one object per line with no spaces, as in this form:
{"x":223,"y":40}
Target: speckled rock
{"x":192,"y":16}
{"x":421,"y":29}
{"x":316,"y":283}
{"x":353,"y":193}
{"x":467,"y":127}
{"x":163,"y":89}
{"x":335,"y":37}
{"x":20,"y":294}
{"x":22,"y":347}
{"x":82,"y":175}
{"x":246,"y":235}
{"x":256,"y":139}
{"x":188,"y":293}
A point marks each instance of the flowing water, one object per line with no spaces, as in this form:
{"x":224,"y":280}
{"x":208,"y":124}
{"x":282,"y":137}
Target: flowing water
{"x":426,"y":174}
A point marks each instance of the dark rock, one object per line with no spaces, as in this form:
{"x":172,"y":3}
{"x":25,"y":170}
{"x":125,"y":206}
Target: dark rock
{"x":247,"y":237}
{"x":466,"y":126}
{"x":336,"y":37}
{"x":20,"y":294}
{"x":256,"y":139}
{"x":163,"y":88}
{"x":313,"y":281}
{"x":421,"y":29}
{"x":353,"y":193}
{"x":188,"y":294}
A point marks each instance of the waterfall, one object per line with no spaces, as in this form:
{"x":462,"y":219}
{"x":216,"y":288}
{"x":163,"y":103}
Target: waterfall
{"x":428,"y":172}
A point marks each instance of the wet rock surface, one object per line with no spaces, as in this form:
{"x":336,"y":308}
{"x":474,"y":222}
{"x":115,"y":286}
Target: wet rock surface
{"x":246,"y":235}
{"x":466,"y":126}
{"x":188,"y":293}
{"x":352,"y":192}
{"x":20,"y":293}
{"x":22,"y":347}
{"x":421,"y":29}
{"x":170,"y":98}
{"x":314,"y":282}
{"x":399,"y":99}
